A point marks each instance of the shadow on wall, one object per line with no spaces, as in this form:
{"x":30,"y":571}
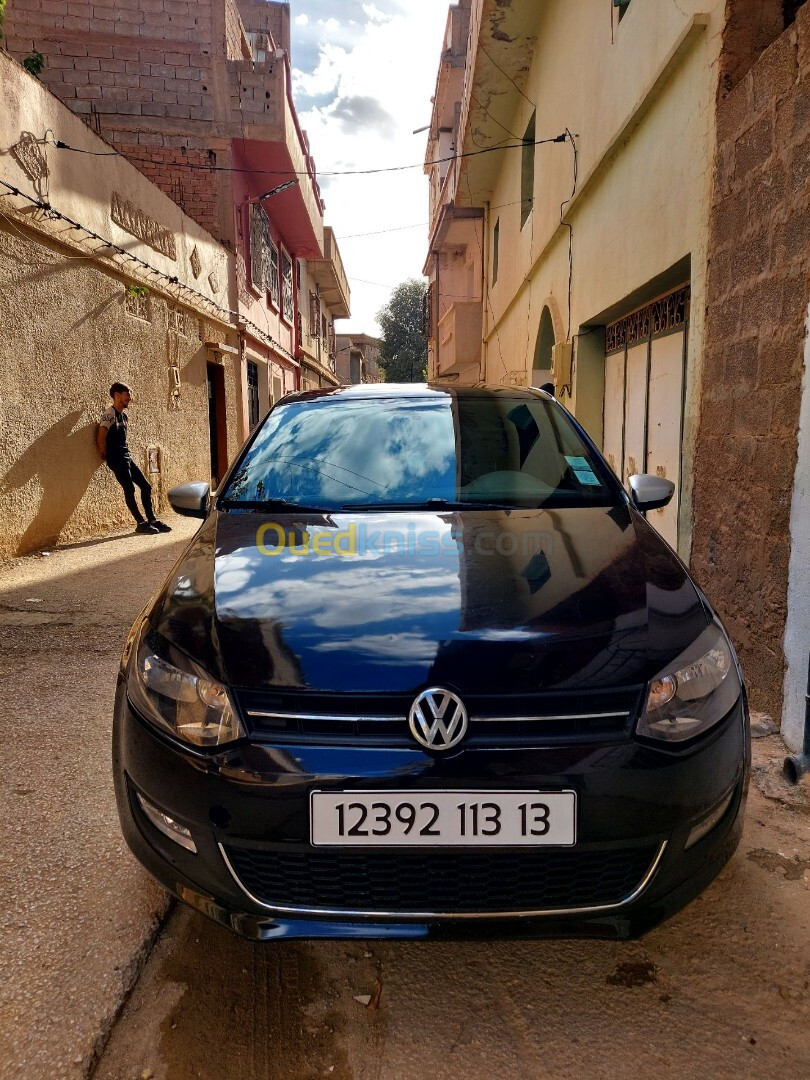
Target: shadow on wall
{"x":193,"y":372}
{"x":63,"y":460}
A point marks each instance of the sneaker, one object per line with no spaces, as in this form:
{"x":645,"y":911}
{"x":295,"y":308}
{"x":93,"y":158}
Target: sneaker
{"x":160,"y":526}
{"x":146,"y":527}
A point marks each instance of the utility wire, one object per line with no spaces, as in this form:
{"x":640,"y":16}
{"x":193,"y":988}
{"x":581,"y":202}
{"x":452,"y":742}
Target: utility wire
{"x":49,"y":211}
{"x":509,"y":77}
{"x":60,"y":145}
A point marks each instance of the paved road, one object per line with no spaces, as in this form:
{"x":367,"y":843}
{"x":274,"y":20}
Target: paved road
{"x":78,"y":912}
{"x":722,"y":990}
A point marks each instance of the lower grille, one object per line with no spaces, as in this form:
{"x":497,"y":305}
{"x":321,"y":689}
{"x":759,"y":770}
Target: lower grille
{"x":440,"y":882}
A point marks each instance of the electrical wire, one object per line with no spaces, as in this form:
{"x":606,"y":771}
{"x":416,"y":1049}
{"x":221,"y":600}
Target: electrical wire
{"x":60,"y":145}
{"x":170,"y":280}
{"x":495,"y":118}
{"x":492,"y":60}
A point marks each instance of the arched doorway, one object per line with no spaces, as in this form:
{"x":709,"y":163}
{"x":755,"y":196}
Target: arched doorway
{"x":541,"y":365}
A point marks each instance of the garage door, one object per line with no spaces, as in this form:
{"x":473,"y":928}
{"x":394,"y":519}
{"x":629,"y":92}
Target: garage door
{"x":645,"y":358}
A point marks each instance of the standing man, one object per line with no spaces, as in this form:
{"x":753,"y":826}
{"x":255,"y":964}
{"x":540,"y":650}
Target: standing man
{"x":111,"y":440}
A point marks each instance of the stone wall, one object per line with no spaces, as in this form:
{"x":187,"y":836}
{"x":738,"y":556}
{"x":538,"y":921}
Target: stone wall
{"x":758,"y":289}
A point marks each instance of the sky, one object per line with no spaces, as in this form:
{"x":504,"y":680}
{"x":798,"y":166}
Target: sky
{"x":363,"y":77}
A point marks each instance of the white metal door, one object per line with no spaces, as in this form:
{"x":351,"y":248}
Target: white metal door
{"x":664,"y":426}
{"x":635,"y":411}
{"x":643,"y":405}
{"x":613,"y":415}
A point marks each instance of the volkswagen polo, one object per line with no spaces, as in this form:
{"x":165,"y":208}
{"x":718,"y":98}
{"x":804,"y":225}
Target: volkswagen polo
{"x":427,"y":668}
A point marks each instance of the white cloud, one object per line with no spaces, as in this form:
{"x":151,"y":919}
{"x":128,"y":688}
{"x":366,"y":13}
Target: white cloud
{"x":374,"y":13}
{"x":302,"y":20}
{"x":378,"y":81}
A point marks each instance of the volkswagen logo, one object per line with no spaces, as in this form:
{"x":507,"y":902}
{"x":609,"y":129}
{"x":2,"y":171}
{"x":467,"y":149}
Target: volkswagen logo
{"x":438,"y":719}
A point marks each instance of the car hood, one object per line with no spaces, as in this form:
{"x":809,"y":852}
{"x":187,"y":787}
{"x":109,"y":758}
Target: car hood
{"x":482,"y":601}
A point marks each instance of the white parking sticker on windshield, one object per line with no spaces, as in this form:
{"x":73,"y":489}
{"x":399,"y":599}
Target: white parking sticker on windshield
{"x":582,"y":471}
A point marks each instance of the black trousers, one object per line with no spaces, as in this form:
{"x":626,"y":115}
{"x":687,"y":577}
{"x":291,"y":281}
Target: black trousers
{"x":128,"y":475}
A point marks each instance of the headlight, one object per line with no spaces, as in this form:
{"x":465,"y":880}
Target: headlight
{"x":694,"y":692}
{"x":184,"y":700}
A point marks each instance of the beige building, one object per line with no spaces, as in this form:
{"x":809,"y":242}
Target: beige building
{"x":574,"y":227}
{"x":104,"y":278}
{"x":358,"y":359}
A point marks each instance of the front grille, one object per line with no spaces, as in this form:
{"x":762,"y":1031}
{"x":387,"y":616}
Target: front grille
{"x":502,"y":720}
{"x":441,"y":882}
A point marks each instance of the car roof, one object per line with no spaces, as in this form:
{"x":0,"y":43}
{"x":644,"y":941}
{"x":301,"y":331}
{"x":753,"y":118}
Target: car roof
{"x":417,"y":390}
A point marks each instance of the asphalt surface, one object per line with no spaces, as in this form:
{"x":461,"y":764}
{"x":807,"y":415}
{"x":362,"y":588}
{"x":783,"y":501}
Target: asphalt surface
{"x":79,"y":915}
{"x":96,"y":978}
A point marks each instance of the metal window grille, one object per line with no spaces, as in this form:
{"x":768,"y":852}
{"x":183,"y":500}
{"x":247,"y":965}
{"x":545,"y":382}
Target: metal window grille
{"x":287,"y":287}
{"x":253,"y":394}
{"x":314,"y":315}
{"x":660,"y":317}
{"x":272,"y":272}
{"x":256,"y":250}
{"x":138,"y":305}
{"x":178,"y":321}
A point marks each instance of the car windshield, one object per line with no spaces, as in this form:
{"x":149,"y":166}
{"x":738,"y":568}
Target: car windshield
{"x":486,"y":449}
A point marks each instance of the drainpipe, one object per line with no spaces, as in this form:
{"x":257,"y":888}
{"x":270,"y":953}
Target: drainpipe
{"x":796,"y":765}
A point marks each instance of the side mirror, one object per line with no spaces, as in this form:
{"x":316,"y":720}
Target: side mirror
{"x":190,"y":500}
{"x":650,"y":492}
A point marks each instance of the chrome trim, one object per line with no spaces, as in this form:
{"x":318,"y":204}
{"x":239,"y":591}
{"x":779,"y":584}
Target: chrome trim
{"x":334,"y":718}
{"x":422,"y":915}
{"x":538,"y":719}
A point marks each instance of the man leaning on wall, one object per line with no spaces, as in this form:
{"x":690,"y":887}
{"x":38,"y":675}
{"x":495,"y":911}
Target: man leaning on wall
{"x":111,"y":440}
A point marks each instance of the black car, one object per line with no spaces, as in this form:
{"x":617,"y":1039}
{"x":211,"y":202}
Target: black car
{"x":425,"y":669}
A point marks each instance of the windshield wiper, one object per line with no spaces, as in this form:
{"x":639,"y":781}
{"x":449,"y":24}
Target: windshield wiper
{"x":281,"y":506}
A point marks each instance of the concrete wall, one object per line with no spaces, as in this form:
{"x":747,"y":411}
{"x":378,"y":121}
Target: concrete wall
{"x":759,"y":275}
{"x":68,"y":332}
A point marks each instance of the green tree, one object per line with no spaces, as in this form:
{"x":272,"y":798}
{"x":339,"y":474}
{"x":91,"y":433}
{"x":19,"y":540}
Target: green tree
{"x":403,"y":349}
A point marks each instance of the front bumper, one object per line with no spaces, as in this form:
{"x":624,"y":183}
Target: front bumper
{"x":253,"y":802}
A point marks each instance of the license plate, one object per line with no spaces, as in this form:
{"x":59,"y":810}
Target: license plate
{"x":443,"y":818}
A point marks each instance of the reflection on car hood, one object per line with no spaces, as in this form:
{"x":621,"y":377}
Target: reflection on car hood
{"x":483,"y":601}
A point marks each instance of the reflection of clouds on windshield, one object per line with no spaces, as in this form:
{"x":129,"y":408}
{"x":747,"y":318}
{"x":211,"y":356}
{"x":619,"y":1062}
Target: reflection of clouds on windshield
{"x":408,"y":647}
{"x":336,"y":599}
{"x":311,"y":453}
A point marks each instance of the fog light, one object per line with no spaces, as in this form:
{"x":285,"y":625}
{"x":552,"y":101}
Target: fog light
{"x":708,"y":823}
{"x":167,"y":825}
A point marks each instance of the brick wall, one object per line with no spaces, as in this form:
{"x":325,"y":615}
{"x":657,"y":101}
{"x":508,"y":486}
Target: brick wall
{"x":758,"y":290}
{"x":142,"y":73}
{"x":234,"y":40}
{"x":269,"y":18}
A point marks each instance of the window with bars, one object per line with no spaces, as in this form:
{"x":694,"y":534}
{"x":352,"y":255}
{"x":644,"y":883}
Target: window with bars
{"x":314,"y":314}
{"x":288,"y":304}
{"x":272,"y":277}
{"x":263,"y":255}
{"x":253,"y":394}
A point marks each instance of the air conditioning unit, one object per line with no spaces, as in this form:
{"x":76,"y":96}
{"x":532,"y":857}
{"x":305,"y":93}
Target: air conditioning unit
{"x":562,"y":355}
